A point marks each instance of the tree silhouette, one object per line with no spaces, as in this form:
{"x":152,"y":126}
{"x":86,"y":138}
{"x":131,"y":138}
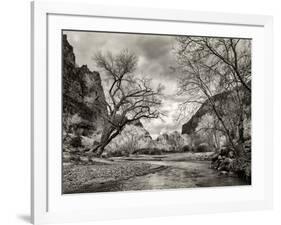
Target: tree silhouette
{"x":129,"y":98}
{"x":216,"y":72}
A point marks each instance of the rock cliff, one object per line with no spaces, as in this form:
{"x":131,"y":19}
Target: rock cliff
{"x":84,"y":107}
{"x":83,"y":95}
{"x":223,"y":101}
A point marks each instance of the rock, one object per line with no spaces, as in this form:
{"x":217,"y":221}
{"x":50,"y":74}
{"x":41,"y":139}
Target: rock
{"x":223,"y":172}
{"x":214,"y":157}
{"x":99,"y":161}
{"x":66,"y":149}
{"x":224,"y":151}
{"x":66,"y":157}
{"x":67,"y":164}
{"x":76,"y":142}
{"x":227,"y":160}
{"x":83,"y":98}
{"x":231,"y":154}
{"x":230,"y":173}
{"x":225,"y":163}
{"x":104,"y":155}
{"x":84,"y":159}
{"x":75,"y":157}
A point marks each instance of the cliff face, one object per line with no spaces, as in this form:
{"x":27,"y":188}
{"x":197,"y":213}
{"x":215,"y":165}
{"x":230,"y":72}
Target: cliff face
{"x":224,"y":102}
{"x":83,"y":94}
{"x":190,"y":126}
{"x":84,"y":106}
{"x":140,"y":126}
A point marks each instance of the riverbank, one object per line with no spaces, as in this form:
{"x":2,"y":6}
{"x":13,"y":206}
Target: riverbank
{"x":149,"y":175}
{"x":89,"y":178}
{"x":145,"y":172}
{"x":95,"y":174}
{"x":185,"y":156}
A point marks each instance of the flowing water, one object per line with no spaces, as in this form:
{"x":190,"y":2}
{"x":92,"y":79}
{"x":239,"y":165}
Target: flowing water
{"x":184,"y":174}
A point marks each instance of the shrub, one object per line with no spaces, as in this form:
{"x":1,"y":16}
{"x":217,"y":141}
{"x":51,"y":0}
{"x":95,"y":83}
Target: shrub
{"x":186,"y":148}
{"x":203,"y":147}
{"x":242,"y":166}
{"x":131,"y":138}
{"x":76,"y":142}
{"x":86,"y":142}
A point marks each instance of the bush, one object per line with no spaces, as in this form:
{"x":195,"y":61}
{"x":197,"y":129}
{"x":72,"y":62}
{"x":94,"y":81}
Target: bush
{"x":203,"y":147}
{"x":155,"y":151}
{"x":186,"y":148}
{"x":76,"y":142}
{"x":116,"y":152}
{"x":242,"y":166}
{"x":86,"y":142}
{"x":148,"y":151}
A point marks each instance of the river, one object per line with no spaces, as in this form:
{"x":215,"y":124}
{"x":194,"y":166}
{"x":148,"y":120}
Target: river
{"x":183,"y":174}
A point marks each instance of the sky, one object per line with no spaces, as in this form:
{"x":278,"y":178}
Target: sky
{"x":155,"y":59}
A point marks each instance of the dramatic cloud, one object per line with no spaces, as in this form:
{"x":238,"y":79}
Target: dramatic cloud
{"x":156,"y":60}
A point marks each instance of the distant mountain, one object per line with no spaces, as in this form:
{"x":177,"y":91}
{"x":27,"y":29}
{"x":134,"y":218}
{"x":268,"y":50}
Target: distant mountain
{"x":139,"y":124}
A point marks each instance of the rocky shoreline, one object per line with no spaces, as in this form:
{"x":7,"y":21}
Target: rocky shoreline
{"x":92,"y":178}
{"x":84,"y":174}
{"x":229,"y":163}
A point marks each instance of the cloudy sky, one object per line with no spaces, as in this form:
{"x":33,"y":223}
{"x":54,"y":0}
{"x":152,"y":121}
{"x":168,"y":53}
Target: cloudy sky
{"x":156,"y":60}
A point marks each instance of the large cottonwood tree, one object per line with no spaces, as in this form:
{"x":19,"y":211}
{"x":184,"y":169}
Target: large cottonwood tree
{"x":129,"y":97}
{"x":217,"y":72}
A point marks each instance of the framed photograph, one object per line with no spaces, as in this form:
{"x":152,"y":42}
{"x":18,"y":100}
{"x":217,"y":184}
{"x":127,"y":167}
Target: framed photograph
{"x":140,"y":112}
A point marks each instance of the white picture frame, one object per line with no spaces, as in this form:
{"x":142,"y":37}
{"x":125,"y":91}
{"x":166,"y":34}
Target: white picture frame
{"x":48,"y":205}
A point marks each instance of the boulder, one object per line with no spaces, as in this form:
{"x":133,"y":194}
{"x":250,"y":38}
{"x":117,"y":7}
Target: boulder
{"x":66,"y":149}
{"x":231,"y":154}
{"x":231,"y":173}
{"x":99,"y":161}
{"x":66,"y":164}
{"x":75,"y":157}
{"x":225,"y":164}
{"x":66,"y":157}
{"x":83,"y":102}
{"x":223,"y":172}
{"x":84,"y":159}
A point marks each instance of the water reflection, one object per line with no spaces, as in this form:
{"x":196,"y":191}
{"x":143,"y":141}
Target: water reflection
{"x":176,"y":175}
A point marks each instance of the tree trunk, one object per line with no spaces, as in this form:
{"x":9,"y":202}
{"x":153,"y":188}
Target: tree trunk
{"x":100,"y":149}
{"x":241,"y":130}
{"x":106,"y":138}
{"x":224,"y":126}
{"x":217,"y":144}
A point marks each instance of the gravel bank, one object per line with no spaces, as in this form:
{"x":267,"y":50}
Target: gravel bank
{"x":91,"y":178}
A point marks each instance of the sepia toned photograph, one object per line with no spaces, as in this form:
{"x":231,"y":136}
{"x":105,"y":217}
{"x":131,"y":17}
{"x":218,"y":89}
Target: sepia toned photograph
{"x":154,"y":111}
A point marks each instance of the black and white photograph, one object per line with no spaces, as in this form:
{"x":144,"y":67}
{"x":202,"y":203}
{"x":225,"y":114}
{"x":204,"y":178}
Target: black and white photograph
{"x":140,"y":112}
{"x":154,"y":111}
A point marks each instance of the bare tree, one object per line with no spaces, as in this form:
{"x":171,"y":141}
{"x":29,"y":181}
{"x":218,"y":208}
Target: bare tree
{"x":210,"y":127}
{"x":216,"y":70}
{"x":129,"y":98}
